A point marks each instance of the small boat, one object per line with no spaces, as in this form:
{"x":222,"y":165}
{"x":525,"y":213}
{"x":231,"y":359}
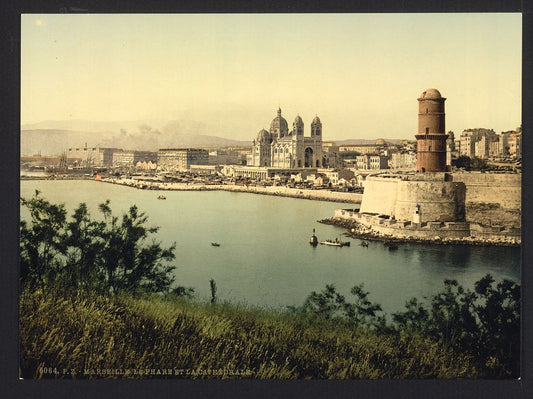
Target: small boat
{"x":391,"y":245}
{"x":161,"y":197}
{"x":336,"y":243}
{"x":364,"y":244}
{"x":314,"y":240}
{"x":215,"y":244}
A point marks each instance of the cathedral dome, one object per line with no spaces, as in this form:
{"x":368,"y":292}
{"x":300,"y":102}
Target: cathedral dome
{"x":279,"y":124}
{"x":431,"y":93}
{"x":298,"y":120}
{"x":263,"y":136}
{"x":316,"y":120}
{"x":380,"y":142}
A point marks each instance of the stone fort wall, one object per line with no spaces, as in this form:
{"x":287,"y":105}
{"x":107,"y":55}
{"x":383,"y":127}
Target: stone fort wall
{"x":433,"y":231}
{"x":492,"y":199}
{"x":504,"y":189}
{"x":439,"y":200}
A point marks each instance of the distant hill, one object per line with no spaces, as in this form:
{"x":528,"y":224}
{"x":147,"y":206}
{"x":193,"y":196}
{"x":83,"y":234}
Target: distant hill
{"x":53,"y":141}
{"x":365,"y":141}
{"x":81,"y":125}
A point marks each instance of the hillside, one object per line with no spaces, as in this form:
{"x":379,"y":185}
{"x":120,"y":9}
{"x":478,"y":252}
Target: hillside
{"x":55,"y":141}
{"x":177,"y":338}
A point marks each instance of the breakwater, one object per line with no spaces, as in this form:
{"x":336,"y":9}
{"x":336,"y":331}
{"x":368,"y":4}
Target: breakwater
{"x":373,"y":227}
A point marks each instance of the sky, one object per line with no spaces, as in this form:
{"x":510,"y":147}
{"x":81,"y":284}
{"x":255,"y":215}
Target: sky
{"x":360,"y":73}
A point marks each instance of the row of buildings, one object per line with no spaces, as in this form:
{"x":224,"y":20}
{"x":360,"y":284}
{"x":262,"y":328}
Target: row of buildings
{"x":166,"y":159}
{"x":281,"y":148}
{"x":487,"y":144}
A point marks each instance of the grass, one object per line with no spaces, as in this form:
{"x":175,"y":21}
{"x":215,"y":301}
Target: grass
{"x":82,"y":335}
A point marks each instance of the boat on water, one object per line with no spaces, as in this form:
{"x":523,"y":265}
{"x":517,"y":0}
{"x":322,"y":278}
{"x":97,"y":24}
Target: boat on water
{"x":336,"y":243}
{"x":364,"y":244}
{"x":314,"y":240}
{"x":161,"y":197}
{"x":390,"y":245}
{"x":215,"y":244}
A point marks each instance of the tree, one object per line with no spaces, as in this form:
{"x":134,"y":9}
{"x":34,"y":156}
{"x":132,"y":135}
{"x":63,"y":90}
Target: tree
{"x":463,"y":162}
{"x":41,"y":241}
{"x":471,"y":163}
{"x":110,"y":255}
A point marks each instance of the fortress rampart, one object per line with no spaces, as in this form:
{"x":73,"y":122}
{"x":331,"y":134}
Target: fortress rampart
{"x":480,"y":207}
{"x":504,"y":189}
{"x":454,"y":232}
{"x":397,"y":196}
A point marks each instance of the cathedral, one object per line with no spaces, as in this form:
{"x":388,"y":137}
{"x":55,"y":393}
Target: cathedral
{"x":280,"y":148}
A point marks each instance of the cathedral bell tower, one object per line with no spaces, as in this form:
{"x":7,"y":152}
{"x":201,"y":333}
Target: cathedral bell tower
{"x":298,"y":127}
{"x":431,"y":137}
{"x":316,"y":128}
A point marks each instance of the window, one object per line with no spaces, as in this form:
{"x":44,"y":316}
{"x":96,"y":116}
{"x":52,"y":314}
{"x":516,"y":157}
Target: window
{"x":427,"y":130}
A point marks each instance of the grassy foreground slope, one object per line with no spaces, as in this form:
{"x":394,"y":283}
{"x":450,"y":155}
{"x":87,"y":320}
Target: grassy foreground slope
{"x":83,"y":335}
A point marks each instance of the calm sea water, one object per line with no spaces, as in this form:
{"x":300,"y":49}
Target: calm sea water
{"x":265,"y":258}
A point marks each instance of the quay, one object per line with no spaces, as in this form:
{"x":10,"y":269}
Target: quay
{"x":281,"y":191}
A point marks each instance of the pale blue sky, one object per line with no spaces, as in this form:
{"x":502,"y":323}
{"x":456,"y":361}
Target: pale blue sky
{"x":360,"y":73}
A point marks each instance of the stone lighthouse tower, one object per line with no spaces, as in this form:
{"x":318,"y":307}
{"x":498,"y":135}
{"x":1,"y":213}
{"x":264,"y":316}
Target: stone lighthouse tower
{"x":431,"y":137}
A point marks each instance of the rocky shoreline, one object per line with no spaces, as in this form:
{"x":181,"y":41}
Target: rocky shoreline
{"x":357,"y":230}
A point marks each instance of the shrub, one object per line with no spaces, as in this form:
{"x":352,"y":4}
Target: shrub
{"x":110,"y":255}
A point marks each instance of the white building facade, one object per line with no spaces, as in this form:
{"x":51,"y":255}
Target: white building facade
{"x":281,"y":148}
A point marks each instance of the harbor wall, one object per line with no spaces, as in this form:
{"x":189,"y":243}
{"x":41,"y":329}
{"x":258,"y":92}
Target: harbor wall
{"x":322,"y":195}
{"x":432,"y":231}
{"x":504,"y":189}
{"x":439,"y":200}
{"x":379,"y":195}
{"x":492,"y":198}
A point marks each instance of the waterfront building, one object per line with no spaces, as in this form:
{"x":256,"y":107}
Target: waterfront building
{"x":130,"y":158}
{"x":123,"y":158}
{"x":205,"y":170}
{"x":281,"y":148}
{"x":143,"y":165}
{"x":431,"y":137}
{"x":91,"y":156}
{"x":181,"y":159}
{"x":261,"y":172}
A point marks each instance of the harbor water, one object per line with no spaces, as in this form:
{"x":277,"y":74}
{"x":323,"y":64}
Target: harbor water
{"x":264,"y":258}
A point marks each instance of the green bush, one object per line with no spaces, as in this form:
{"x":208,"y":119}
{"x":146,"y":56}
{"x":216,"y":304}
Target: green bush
{"x":110,"y":255}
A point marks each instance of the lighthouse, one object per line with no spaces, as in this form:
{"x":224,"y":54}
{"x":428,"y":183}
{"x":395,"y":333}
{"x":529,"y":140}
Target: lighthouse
{"x":431,"y":137}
